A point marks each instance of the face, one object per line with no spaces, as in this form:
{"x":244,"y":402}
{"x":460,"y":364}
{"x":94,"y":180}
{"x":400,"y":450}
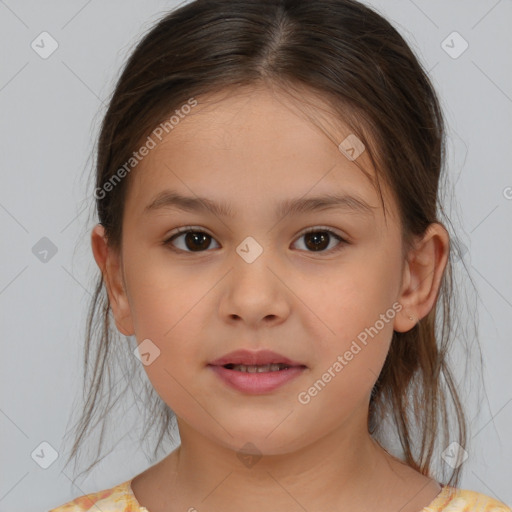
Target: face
{"x":250,"y":278}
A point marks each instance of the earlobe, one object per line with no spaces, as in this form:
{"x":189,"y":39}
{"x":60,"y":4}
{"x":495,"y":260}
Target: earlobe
{"x":423,"y":272}
{"x":109,"y":262}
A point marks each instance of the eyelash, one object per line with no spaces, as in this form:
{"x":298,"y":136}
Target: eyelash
{"x":316,"y":229}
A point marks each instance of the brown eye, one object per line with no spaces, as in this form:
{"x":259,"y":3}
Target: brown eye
{"x":318,"y":240}
{"x":191,"y":241}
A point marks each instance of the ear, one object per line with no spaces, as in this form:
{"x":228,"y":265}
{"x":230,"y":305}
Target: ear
{"x":422,"y":274}
{"x":110,"y":264}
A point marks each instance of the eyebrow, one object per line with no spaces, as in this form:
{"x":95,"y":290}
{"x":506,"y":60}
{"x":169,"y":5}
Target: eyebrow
{"x":171,"y":199}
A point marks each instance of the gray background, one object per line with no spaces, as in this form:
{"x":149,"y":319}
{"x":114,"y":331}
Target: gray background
{"x":51,"y":109}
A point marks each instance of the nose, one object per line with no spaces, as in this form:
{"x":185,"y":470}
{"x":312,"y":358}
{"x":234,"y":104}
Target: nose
{"x":255,"y":293}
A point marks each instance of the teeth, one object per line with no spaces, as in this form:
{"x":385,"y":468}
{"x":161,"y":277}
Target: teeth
{"x":258,"y":369}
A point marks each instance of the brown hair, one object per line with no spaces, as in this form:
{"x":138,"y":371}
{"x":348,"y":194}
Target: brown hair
{"x":349,"y":55}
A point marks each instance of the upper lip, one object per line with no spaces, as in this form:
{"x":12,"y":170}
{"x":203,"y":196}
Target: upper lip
{"x":248,"y":357}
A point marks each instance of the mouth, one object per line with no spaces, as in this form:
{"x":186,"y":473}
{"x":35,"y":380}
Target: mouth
{"x":264,"y":368}
{"x":255,"y":361}
{"x":256,"y":373}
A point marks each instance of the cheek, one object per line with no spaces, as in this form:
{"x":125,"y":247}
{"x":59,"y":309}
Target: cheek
{"x":351,"y":297}
{"x":171,"y":310}
{"x":353,"y":318}
{"x":162,"y":295}
{"x":174,"y":324}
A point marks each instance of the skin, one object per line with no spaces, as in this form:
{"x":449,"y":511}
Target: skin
{"x":254,"y":149}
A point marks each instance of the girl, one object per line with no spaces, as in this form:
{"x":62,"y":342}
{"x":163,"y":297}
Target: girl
{"x":267,"y":191}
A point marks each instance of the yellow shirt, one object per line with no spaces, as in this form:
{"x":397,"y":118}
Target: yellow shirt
{"x":121,"y":499}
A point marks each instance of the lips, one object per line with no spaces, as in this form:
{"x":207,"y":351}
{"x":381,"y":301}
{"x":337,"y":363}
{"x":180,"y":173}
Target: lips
{"x":256,"y":372}
{"x":254,"y":358}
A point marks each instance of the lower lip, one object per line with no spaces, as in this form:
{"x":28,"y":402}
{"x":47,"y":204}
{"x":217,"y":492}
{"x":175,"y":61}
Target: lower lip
{"x":257,"y":383}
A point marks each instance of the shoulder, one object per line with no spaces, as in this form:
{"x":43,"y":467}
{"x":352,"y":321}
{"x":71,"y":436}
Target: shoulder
{"x":451,"y":499}
{"x":117,"y":499}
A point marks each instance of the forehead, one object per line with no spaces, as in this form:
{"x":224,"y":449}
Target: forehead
{"x":253,"y":144}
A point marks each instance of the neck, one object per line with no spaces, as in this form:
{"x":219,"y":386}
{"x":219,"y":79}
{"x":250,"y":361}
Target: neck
{"x":332,"y":471}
